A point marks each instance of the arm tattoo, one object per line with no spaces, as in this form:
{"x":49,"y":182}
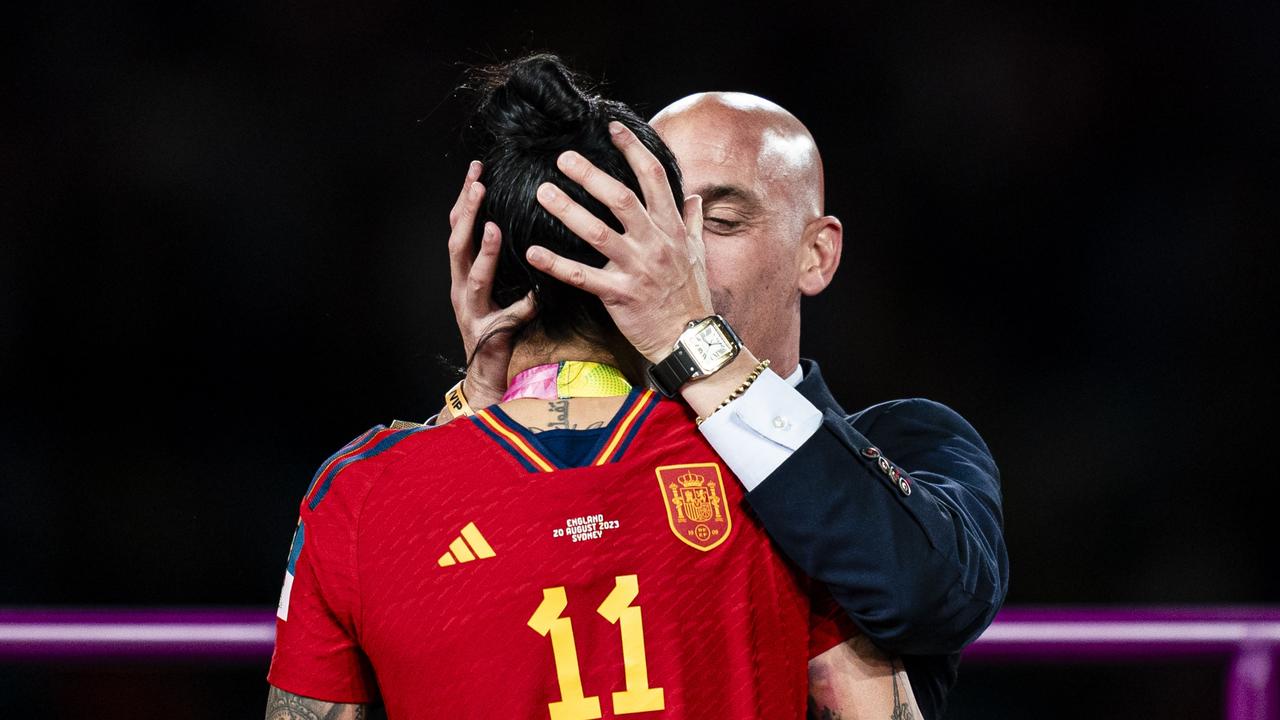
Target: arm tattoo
{"x":821,"y":713}
{"x":901,"y":710}
{"x":283,"y":705}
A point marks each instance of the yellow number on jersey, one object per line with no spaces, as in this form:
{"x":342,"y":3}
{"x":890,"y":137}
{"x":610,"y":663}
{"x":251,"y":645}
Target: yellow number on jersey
{"x":638,"y":697}
{"x":617,"y":609}
{"x":573,"y":705}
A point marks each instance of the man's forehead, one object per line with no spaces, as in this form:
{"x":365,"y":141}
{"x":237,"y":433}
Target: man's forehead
{"x":746,"y":133}
{"x":703,"y":143}
{"x":712,"y":152}
{"x":736,"y":139}
{"x":719,"y":171}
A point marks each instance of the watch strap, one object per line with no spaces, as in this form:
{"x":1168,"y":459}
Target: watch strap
{"x":672,"y":372}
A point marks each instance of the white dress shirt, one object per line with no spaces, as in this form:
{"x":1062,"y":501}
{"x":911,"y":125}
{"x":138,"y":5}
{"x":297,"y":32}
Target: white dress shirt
{"x":757,"y":432}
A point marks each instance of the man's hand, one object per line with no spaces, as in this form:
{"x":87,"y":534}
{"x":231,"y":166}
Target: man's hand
{"x":656,"y":279}
{"x":471,"y":292}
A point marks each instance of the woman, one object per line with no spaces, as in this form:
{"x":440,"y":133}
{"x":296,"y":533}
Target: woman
{"x":576,"y":551}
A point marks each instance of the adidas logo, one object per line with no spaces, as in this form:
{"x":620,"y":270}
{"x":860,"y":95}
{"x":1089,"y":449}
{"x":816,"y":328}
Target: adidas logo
{"x":467,"y":547}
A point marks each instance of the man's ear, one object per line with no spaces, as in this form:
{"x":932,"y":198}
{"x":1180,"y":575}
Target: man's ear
{"x":820,"y":248}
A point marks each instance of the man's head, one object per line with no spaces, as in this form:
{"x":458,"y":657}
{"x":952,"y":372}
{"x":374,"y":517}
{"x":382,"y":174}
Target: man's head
{"x":768,"y":242}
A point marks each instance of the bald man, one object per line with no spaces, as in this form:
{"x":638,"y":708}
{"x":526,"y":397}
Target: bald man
{"x":897,"y":507}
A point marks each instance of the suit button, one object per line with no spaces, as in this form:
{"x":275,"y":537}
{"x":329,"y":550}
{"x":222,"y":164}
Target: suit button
{"x":904,"y":486}
{"x":871,"y":452}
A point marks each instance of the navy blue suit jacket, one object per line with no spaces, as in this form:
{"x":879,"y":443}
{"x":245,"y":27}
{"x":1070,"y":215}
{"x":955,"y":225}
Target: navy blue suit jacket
{"x":913,"y":547}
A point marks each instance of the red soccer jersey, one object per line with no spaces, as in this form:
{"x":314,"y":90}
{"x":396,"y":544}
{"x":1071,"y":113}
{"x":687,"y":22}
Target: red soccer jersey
{"x":464,"y":571}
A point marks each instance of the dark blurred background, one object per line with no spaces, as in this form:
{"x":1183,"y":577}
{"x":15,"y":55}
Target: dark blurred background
{"x":222,"y":256}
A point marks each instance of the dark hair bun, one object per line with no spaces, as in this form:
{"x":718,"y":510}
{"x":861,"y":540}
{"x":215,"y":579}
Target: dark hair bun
{"x":528,"y":112}
{"x":533,"y":103}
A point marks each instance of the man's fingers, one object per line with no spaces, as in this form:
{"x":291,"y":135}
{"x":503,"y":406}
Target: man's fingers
{"x":480,"y":279}
{"x":571,"y":272}
{"x":693,"y":221}
{"x":651,"y":174}
{"x":580,"y":221}
{"x":695,"y":245}
{"x":604,"y":187}
{"x":521,"y":311}
{"x":473,"y":174}
{"x":460,"y":255}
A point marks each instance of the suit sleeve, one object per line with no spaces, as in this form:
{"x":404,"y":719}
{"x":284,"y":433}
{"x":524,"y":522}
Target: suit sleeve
{"x":317,"y":652}
{"x":898,"y":511}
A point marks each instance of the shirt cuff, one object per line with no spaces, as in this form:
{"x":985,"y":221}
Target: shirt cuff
{"x":757,"y":432}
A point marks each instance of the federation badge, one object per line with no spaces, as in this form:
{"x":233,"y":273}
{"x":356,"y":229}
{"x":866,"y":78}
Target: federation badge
{"x":697,"y":509}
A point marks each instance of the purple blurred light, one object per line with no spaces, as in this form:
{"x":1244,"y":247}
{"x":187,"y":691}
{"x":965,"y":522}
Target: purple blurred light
{"x":1246,"y":638}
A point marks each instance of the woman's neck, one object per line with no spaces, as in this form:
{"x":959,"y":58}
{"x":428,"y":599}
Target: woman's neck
{"x":531,"y":352}
{"x":560,"y":414}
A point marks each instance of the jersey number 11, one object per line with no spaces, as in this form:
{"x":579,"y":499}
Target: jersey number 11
{"x":617,"y":609}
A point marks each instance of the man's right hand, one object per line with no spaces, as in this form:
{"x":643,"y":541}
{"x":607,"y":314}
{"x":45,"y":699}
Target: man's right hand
{"x":471,"y":292}
{"x":655,"y":280}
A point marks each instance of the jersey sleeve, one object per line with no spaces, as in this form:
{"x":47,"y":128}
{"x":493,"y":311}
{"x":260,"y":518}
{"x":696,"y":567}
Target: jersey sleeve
{"x":317,"y":652}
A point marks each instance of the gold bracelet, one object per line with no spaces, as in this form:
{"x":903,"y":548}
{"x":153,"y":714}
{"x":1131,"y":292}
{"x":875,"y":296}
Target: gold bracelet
{"x":737,"y":393}
{"x":457,"y":402}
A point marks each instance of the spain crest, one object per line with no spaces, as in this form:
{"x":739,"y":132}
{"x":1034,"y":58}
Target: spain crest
{"x":697,"y":509}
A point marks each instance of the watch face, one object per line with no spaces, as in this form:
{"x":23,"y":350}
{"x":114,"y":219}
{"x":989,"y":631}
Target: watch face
{"x":710,"y":348}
